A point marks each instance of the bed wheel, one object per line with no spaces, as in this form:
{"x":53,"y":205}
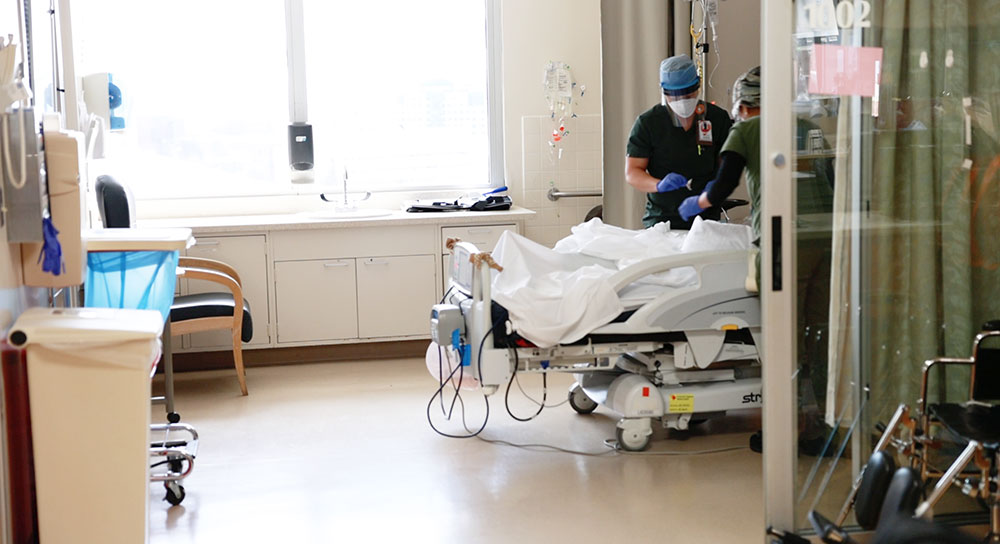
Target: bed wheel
{"x":633,"y":438}
{"x":579,"y":400}
{"x":175,"y":493}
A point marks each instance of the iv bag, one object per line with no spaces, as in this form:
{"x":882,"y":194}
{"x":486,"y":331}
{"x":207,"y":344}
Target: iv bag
{"x":558,"y":84}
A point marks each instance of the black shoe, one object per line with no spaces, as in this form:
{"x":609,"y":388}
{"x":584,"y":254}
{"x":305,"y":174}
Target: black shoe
{"x":757,"y":442}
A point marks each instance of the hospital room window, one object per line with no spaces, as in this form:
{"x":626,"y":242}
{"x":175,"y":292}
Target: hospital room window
{"x":204,"y":94}
{"x":397,"y":92}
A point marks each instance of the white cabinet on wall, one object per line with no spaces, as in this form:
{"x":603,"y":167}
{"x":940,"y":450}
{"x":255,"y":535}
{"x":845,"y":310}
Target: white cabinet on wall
{"x":248,"y":255}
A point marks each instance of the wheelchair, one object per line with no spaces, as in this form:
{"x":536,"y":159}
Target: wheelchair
{"x":885,"y":492}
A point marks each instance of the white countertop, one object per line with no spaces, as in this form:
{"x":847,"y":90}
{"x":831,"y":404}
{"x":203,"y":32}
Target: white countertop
{"x":314,"y":220}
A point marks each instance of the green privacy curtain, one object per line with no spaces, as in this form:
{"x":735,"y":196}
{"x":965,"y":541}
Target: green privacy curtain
{"x":934,"y":224}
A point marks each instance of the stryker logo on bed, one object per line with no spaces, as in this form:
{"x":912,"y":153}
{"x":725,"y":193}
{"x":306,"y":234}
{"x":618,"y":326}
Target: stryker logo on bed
{"x":752,"y":398}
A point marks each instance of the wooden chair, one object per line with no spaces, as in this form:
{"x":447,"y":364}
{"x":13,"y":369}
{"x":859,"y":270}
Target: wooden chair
{"x":213,"y":311}
{"x":197,"y":312}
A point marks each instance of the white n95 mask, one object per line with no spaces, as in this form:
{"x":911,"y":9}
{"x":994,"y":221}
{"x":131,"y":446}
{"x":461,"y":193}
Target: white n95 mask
{"x":684,"y":108}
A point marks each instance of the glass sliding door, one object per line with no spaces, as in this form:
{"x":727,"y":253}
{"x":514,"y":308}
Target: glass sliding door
{"x":881,"y":189}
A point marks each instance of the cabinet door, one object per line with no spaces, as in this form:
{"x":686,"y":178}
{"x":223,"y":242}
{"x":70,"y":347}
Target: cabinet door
{"x":395,"y":295}
{"x":316,"y":300}
{"x":248,"y":255}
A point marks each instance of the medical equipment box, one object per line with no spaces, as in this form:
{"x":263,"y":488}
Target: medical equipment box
{"x":445,"y":320}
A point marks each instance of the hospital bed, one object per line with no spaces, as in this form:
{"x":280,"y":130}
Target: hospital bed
{"x":680,"y":356}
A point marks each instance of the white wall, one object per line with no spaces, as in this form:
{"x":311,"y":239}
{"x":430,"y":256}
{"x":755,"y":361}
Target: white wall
{"x":535,"y":33}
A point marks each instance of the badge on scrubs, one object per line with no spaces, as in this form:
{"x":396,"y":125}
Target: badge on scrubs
{"x":705,"y":132}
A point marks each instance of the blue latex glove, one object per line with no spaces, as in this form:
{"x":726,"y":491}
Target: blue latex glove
{"x":51,"y":255}
{"x":690,"y":207}
{"x":671,"y":182}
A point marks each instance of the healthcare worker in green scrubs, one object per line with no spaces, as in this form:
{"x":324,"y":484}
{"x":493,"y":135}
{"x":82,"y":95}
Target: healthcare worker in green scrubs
{"x":674,"y":147}
{"x":814,"y":201}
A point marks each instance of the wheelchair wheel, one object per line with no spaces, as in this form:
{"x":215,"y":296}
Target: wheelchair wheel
{"x":871,"y":492}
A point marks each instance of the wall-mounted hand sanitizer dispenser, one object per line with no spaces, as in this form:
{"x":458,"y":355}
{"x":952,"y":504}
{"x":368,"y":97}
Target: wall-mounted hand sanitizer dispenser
{"x":300,"y":152}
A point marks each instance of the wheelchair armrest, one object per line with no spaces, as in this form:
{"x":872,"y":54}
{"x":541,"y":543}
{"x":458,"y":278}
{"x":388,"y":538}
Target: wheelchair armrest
{"x":928,"y":365}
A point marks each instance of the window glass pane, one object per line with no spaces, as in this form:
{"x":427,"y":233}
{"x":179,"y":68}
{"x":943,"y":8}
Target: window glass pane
{"x":897,"y":261}
{"x":204,"y":87}
{"x":397,"y":92}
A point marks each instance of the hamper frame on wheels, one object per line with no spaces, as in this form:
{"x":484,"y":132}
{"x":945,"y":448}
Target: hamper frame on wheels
{"x":137,"y":268}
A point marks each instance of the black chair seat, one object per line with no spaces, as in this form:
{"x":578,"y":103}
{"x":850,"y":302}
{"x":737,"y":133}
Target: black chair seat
{"x":200,"y":305}
{"x":969,"y":422}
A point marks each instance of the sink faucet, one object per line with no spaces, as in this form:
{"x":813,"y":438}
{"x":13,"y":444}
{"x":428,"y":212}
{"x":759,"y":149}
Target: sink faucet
{"x":346,"y":205}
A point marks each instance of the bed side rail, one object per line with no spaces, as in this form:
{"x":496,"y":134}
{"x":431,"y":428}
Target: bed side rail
{"x":697,"y":260}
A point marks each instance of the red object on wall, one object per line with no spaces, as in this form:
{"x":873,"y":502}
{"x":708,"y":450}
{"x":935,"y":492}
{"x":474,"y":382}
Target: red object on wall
{"x":23,"y":508}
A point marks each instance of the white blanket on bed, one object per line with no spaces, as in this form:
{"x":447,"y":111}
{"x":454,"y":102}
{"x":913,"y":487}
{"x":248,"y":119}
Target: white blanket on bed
{"x":557,"y":296}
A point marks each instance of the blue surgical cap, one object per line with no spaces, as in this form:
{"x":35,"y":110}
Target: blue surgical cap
{"x":679,"y":76}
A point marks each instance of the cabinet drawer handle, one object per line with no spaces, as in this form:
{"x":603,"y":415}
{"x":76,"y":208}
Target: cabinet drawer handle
{"x":336,"y":265}
{"x":203,"y":244}
{"x":480,"y":230}
{"x":376,"y":261}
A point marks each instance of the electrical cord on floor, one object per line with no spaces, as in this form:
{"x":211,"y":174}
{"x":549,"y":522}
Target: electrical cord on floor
{"x":613,"y":444}
{"x":547,"y":448}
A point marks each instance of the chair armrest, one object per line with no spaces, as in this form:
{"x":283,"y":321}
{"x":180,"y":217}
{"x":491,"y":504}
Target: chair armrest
{"x":189,"y":263}
{"x":221,"y":278}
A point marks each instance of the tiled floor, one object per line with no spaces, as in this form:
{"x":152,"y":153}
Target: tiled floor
{"x":342,"y":452}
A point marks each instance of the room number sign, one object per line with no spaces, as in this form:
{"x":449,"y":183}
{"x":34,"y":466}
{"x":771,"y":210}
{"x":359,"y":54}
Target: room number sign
{"x":846,"y":13}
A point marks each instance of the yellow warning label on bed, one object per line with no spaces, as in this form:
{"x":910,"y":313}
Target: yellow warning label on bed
{"x":681,"y":403}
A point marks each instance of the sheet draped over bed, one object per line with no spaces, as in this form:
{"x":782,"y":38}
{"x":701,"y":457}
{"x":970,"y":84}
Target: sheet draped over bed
{"x":557,"y":296}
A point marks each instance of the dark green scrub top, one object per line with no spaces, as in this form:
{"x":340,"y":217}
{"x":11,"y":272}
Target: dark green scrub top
{"x":813,"y":175}
{"x":656,"y":137}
